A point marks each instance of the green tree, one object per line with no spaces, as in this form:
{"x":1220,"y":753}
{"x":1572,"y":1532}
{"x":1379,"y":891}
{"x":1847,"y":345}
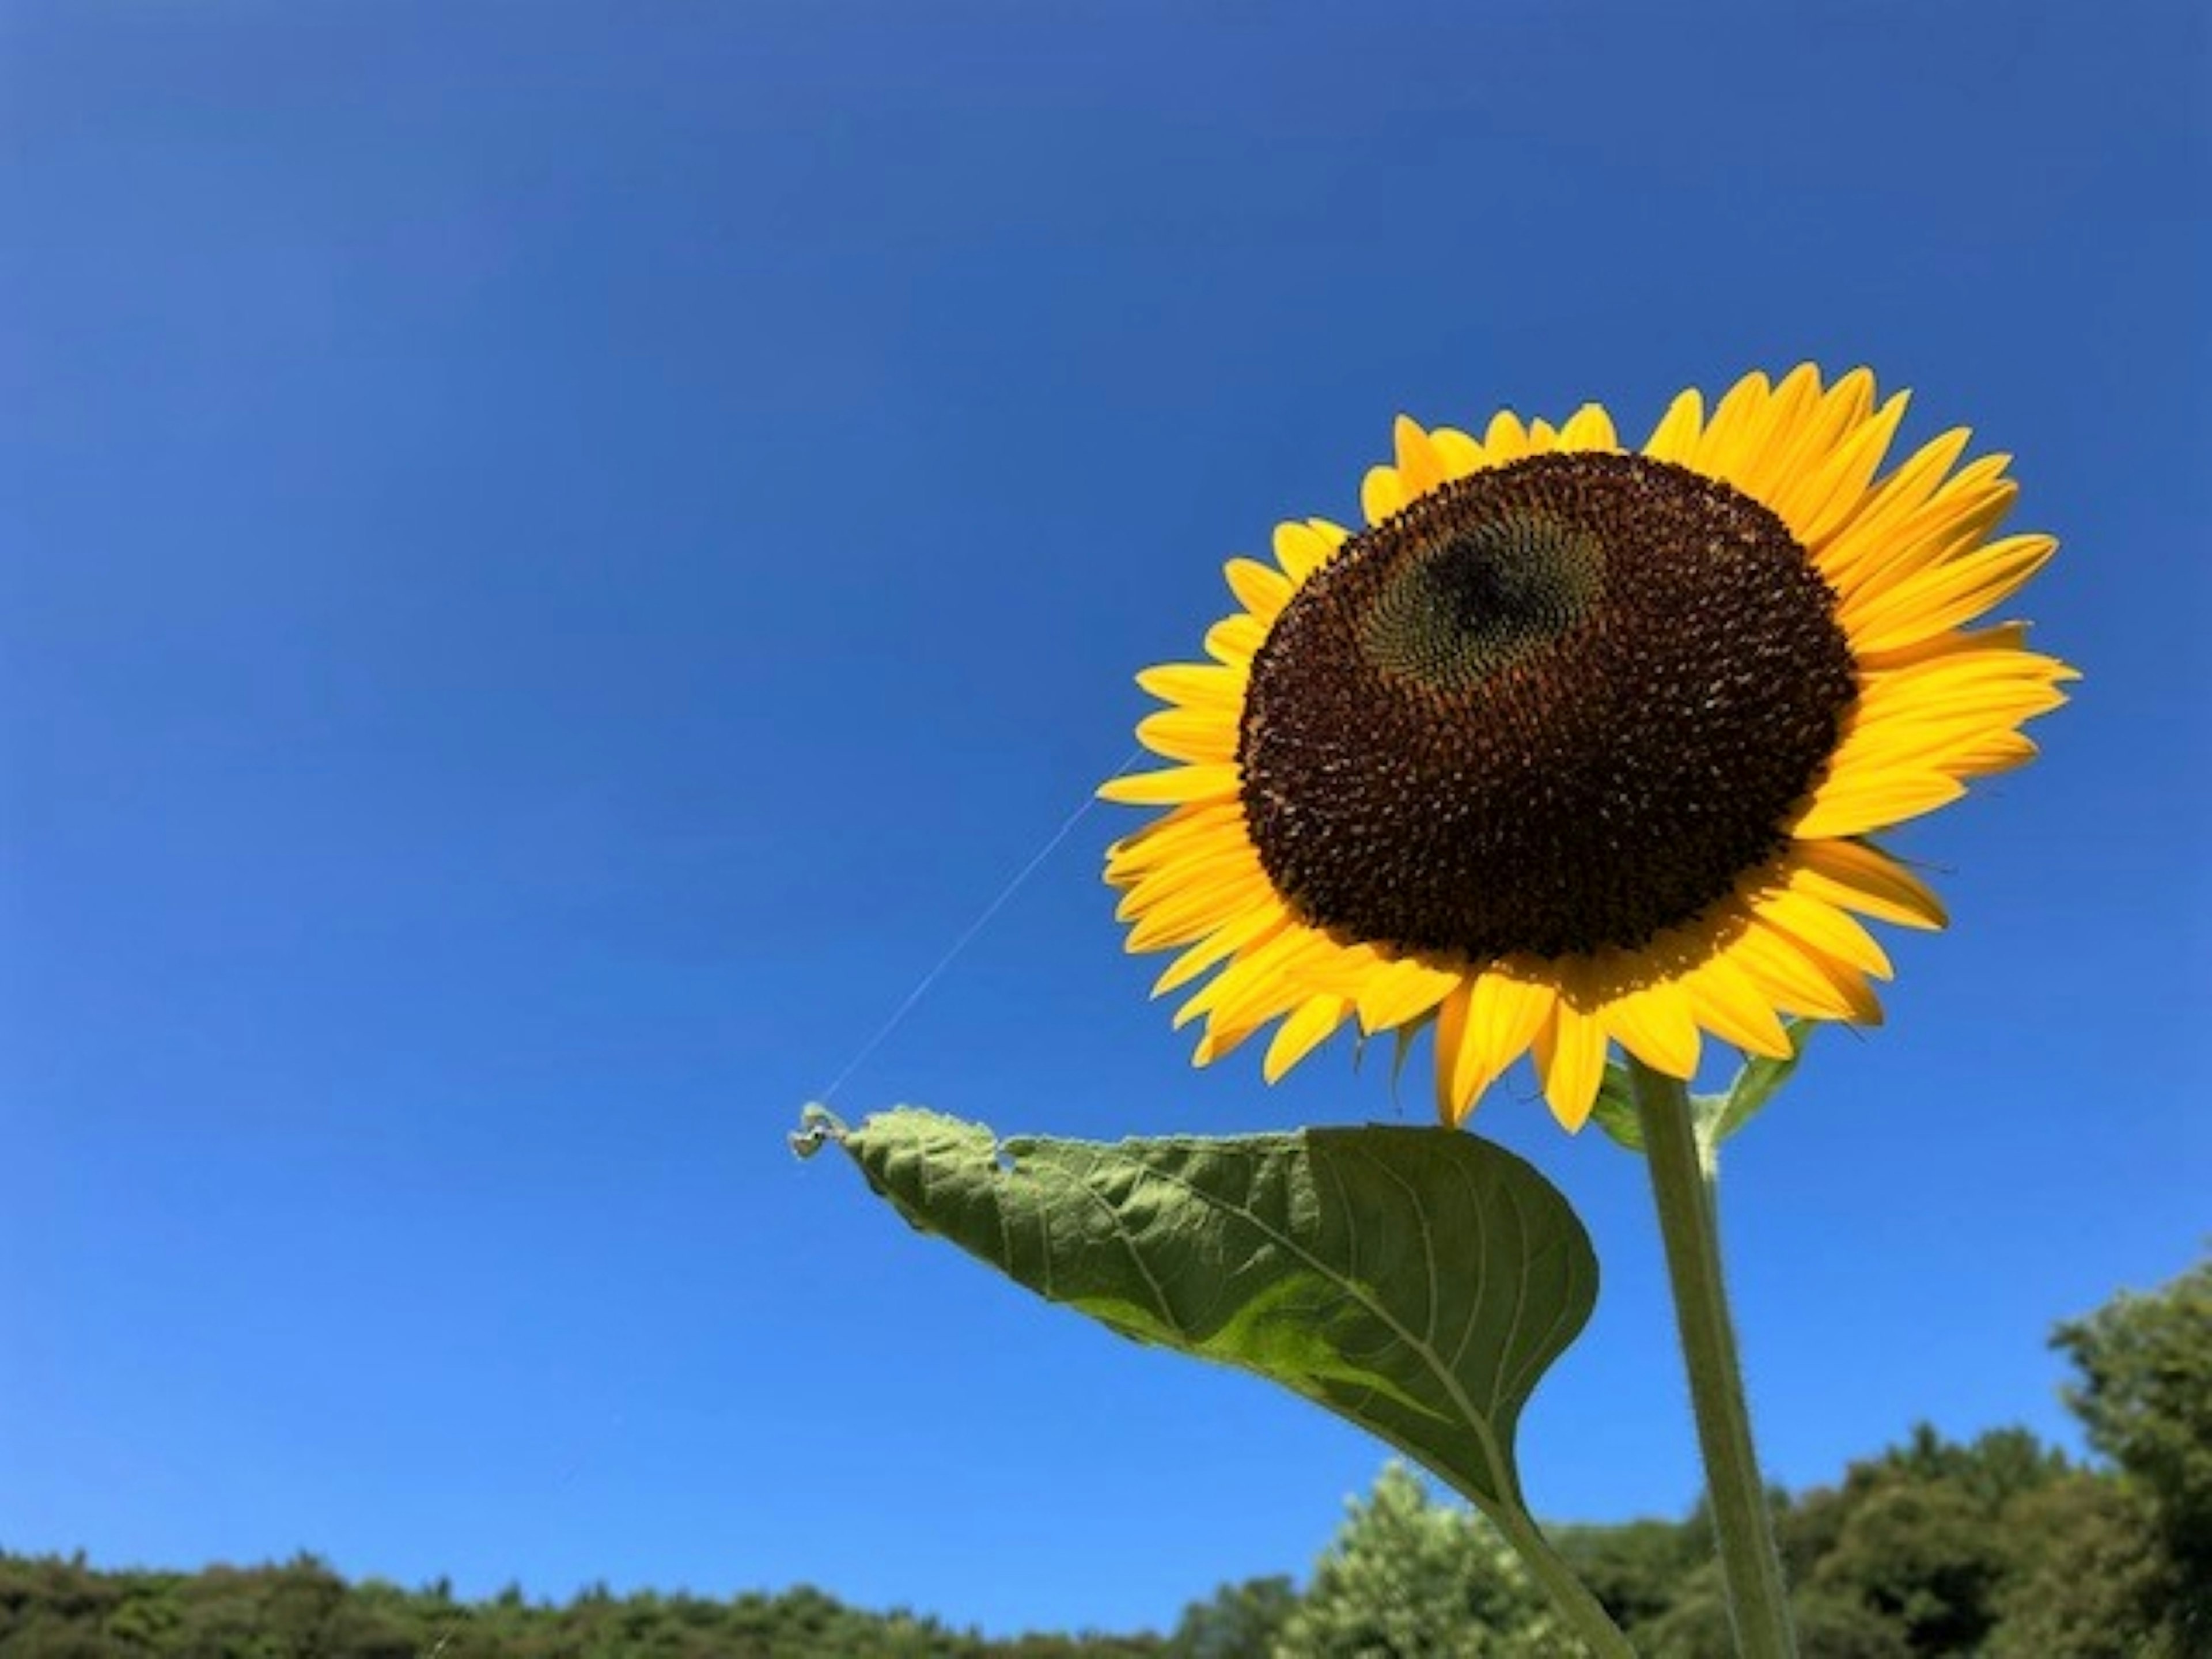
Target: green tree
{"x":2085,"y":1579}
{"x":1407,"y":1578}
{"x":1238,"y":1621}
{"x":1923,"y":1554}
{"x":1695,"y":1624}
{"x":1636,"y":1569}
{"x":1992,"y":1469}
{"x":2145,"y":1399}
{"x":1909,"y":1555}
{"x":1831,"y":1626}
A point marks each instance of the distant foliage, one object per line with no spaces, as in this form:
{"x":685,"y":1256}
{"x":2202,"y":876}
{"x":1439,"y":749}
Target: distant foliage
{"x":53,"y":1609}
{"x":1993,"y":1548}
{"x":1408,"y":1575}
{"x":2146,"y":1400}
{"x":1933,"y":1548}
{"x":1240,"y":1621}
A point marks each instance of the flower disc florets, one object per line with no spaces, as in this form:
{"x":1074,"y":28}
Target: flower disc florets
{"x":1554,"y":707}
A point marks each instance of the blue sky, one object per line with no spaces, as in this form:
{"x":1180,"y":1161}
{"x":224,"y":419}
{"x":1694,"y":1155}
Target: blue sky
{"x":554,"y":557}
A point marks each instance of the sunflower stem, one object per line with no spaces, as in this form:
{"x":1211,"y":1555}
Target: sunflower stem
{"x":1584,"y":1613}
{"x":1682,"y":1182}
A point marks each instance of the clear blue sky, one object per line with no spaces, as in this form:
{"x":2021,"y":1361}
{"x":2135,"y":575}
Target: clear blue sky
{"x":552,"y":557}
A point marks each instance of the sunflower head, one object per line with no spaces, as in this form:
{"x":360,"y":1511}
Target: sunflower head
{"x":1574,"y":746}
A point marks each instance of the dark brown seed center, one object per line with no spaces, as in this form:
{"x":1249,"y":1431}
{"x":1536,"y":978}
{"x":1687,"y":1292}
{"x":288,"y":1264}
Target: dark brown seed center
{"x":1557,"y":706}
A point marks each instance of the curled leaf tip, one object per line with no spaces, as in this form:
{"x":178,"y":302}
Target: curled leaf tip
{"x":817,"y":1124}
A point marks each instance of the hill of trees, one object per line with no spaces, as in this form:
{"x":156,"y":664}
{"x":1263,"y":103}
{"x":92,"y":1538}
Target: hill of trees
{"x":1997,"y":1548}
{"x":54,"y":1609}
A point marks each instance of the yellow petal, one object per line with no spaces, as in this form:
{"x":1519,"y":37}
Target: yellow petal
{"x":1939,"y":599}
{"x":1183,"y":783}
{"x":1504,"y":1013}
{"x":1765,"y":448}
{"x":1270,"y":980}
{"x":1729,"y":1005}
{"x":1311,"y":1024}
{"x":1863,"y":530}
{"x":1202,"y":857}
{"x":1925,"y":718}
{"x":1201,"y":827}
{"x":1997,"y":636}
{"x":1800,"y":450}
{"x":1862,"y":806}
{"x":1571,"y":1063}
{"x":1654,"y":1023}
{"x":1381,"y":492}
{"x":1967,"y":675}
{"x":1836,"y":488}
{"x":1680,"y":430}
{"x":1850,"y":399}
{"x":1400,"y":993}
{"x":1208,"y":684}
{"x":1952,"y":523}
{"x":1260,"y":591}
{"x":1249,"y":931}
{"x":1206,"y":868}
{"x":1419,"y":468}
{"x":1171,"y":922}
{"x":1234,"y":638}
{"x":1300,"y":551}
{"x":1186,"y":734}
{"x":1589,"y":427}
{"x":1828,"y":930}
{"x":1802,"y":979}
{"x":1456,"y":453}
{"x":1451,"y":1036}
{"x":1724,"y":449}
{"x":1259,"y":968}
{"x":1867,"y":880}
{"x":1999,"y":752}
{"x":1220,"y":1039}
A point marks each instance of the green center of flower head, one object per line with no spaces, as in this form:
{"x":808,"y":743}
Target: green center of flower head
{"x":1556,"y":706}
{"x":1467,"y":600}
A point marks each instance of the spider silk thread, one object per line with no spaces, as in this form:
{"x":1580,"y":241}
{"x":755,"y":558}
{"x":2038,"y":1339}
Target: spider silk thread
{"x":968,"y":935}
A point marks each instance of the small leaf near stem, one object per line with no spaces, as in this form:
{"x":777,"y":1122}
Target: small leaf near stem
{"x":1757,"y":1082}
{"x":1615,"y":1111}
{"x":1681,"y":1182}
{"x":1715,"y":1117}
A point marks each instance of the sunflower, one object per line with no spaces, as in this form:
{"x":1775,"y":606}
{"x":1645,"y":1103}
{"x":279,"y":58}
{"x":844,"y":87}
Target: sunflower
{"x":1575,"y":745}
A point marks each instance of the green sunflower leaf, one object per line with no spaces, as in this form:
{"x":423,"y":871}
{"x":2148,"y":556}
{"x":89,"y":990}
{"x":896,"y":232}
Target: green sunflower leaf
{"x":1416,"y":1281}
{"x":1719,"y":1116}
{"x":1615,"y":1111}
{"x":1716,"y":1116}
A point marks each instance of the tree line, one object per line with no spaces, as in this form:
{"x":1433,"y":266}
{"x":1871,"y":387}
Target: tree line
{"x":2001,"y":1548}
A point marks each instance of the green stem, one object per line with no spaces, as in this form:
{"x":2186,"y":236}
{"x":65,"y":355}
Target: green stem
{"x":1585,"y":1614}
{"x":1689,"y":1225}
